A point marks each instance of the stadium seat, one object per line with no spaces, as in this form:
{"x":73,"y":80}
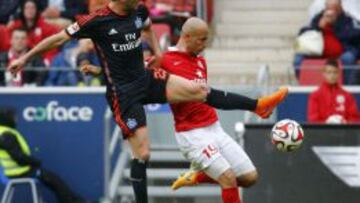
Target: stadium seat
{"x":161,"y":29}
{"x":311,"y":72}
{"x":5,"y":43}
{"x":210,"y":11}
{"x":179,"y":5}
{"x":11,"y":185}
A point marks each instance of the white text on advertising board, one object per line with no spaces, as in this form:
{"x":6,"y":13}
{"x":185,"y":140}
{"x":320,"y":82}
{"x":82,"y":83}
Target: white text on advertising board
{"x":54,"y":112}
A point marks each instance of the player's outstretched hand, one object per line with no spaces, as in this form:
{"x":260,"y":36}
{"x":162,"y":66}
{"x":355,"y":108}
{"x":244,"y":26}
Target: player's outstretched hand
{"x":154,"y":62}
{"x":16,"y":65}
{"x":90,"y":69}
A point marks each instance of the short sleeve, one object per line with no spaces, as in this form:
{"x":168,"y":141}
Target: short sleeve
{"x":82,"y":28}
{"x":143,"y":13}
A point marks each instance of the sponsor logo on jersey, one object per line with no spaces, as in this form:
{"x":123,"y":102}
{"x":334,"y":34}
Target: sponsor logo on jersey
{"x":133,"y":42}
{"x":126,"y":47}
{"x":54,"y":112}
{"x":199,"y":74}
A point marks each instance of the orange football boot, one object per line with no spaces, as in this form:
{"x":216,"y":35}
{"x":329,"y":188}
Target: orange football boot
{"x":267,"y":104}
{"x":185,"y":179}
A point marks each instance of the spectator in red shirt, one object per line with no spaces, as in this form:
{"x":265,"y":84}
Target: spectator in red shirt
{"x":33,"y":77}
{"x":331,"y":103}
{"x":37,"y":28}
{"x":4,"y":36}
{"x":67,"y":9}
{"x":332,"y":45}
{"x":341,"y":37}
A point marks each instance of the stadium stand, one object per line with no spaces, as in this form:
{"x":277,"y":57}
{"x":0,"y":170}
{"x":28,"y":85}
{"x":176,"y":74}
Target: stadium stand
{"x":163,"y":32}
{"x":251,"y":52}
{"x":250,"y":33}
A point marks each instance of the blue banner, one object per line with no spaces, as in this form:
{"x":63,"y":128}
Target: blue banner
{"x":64,"y":131}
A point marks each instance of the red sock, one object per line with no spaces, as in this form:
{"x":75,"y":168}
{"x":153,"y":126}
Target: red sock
{"x":201,"y":177}
{"x":230,"y":195}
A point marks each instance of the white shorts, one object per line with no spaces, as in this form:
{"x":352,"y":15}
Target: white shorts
{"x":211,"y":149}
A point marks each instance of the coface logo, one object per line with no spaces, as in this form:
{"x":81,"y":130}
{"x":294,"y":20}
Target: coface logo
{"x":54,"y":112}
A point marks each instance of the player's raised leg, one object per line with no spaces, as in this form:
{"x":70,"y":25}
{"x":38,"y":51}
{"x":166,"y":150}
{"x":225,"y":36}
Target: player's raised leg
{"x":182,"y":90}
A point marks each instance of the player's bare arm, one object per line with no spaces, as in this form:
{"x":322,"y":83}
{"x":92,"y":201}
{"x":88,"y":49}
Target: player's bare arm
{"x":150,"y":36}
{"x":47,"y":44}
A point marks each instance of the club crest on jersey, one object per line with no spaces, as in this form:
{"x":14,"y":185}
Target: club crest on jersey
{"x":199,"y":74}
{"x":138,"y":22}
{"x":131,"y":123}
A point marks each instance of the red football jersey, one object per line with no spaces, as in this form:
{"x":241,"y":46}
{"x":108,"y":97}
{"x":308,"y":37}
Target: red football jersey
{"x":189,"y":115}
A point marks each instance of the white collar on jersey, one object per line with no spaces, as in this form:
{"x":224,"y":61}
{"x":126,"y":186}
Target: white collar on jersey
{"x":175,"y":49}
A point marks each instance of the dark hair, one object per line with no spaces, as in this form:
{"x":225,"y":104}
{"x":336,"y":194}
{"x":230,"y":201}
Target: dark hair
{"x":22,"y":16}
{"x":332,"y":62}
{"x":7,"y":117}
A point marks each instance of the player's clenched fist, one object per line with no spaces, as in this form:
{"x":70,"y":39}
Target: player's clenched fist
{"x":16,"y":65}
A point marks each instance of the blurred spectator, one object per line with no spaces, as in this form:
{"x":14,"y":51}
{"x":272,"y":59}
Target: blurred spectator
{"x":351,"y":7}
{"x":4,"y":36}
{"x":36,"y":27}
{"x":7,"y":10}
{"x":340,"y":36}
{"x":173,"y":13}
{"x":88,"y":56}
{"x":62,"y":72}
{"x":331,"y":103}
{"x":64,"y":67}
{"x":17,"y":49}
{"x":17,"y":162}
{"x":95,"y":5}
{"x":62,"y":12}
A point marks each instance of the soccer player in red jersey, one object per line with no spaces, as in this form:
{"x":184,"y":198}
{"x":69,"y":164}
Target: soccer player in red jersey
{"x":215,"y":156}
{"x":116,"y":31}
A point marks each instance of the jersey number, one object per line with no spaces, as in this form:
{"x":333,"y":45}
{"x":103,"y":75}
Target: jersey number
{"x":210,"y":150}
{"x":160,"y":74}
